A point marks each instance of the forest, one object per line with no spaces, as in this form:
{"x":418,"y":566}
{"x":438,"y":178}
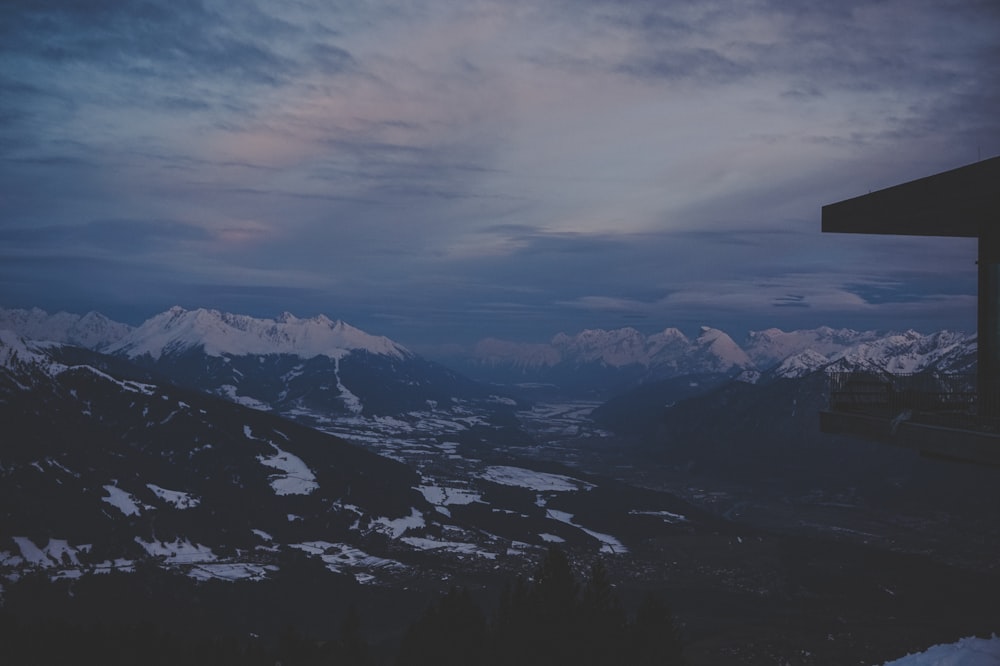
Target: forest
{"x":545,"y":616}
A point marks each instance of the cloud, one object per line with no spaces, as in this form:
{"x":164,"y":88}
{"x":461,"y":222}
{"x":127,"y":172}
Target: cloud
{"x":488,"y":165}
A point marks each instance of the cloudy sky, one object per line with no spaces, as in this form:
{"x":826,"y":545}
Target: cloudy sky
{"x":441,"y":171}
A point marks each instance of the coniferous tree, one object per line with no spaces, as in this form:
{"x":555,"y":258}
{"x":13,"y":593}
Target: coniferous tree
{"x":654,"y":637}
{"x":553,"y":612}
{"x":352,"y":648}
{"x":451,"y":632}
{"x":602,"y":620}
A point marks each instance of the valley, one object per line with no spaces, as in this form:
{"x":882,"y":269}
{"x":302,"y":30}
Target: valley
{"x":220,"y":491}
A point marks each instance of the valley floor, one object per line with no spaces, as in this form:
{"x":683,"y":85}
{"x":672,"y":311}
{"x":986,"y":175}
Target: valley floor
{"x":756,"y":571}
{"x":790,"y":573}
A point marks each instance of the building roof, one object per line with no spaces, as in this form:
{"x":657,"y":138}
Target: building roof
{"x":960,"y":202}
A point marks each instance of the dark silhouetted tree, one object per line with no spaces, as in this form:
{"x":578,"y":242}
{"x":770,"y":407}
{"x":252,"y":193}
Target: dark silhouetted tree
{"x":352,"y":648}
{"x":451,"y":632}
{"x":602,"y":620}
{"x":654,"y":637}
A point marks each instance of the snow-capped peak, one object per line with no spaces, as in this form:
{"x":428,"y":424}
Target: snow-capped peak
{"x":773,"y":345}
{"x":219,"y":333}
{"x":14,"y":351}
{"x":910,"y":352}
{"x":801,"y":364}
{"x":721,"y":348}
{"x":92,"y":330}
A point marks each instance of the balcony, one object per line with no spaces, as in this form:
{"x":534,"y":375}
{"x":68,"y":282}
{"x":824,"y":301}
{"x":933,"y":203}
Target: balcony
{"x":939,"y":415}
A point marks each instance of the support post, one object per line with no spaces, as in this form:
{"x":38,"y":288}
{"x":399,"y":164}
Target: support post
{"x":988,"y":366}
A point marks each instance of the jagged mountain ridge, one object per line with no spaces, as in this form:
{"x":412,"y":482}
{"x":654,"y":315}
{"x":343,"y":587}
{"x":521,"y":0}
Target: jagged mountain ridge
{"x":217,"y":333}
{"x":944,"y":352}
{"x":607,"y":362}
{"x":312,"y":369}
{"x":92,"y":330}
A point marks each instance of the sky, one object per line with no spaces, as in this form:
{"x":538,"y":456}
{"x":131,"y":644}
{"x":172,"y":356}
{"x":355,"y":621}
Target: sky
{"x":443,"y":171}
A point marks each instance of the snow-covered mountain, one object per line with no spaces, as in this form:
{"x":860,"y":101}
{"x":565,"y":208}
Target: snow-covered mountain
{"x":912,"y":352}
{"x":92,"y":330}
{"x":772,"y":346}
{"x":605,"y":362}
{"x":598,"y":362}
{"x":218,"y":333}
{"x":308,"y":369}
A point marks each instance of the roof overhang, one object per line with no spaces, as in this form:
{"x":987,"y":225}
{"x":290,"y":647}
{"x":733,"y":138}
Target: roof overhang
{"x":962,"y":202}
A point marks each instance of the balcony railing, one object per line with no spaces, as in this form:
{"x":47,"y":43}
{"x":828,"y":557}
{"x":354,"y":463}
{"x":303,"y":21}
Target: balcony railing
{"x":947,"y":400}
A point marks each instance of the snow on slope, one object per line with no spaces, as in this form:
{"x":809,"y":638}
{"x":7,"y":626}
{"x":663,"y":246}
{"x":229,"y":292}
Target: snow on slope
{"x":773,"y":345}
{"x":801,"y":364}
{"x":908,"y":352}
{"x":616,"y":348}
{"x":92,"y":330}
{"x":969,"y":651}
{"x":719,"y":351}
{"x":15,"y":352}
{"x":178,"y":330}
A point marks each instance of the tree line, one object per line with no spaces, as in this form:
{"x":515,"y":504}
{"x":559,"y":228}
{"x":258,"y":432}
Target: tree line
{"x":549,"y":618}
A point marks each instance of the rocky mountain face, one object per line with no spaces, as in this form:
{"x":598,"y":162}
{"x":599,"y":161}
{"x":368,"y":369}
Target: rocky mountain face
{"x":601,"y":364}
{"x":92,"y":330}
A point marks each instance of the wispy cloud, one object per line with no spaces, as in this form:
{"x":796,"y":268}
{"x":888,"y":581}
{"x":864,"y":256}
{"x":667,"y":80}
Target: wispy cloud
{"x":520,"y":166}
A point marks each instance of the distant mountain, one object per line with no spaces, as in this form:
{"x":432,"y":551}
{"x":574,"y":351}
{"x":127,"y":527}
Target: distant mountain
{"x":602,"y":363}
{"x":92,"y":330}
{"x":776,"y":409}
{"x":764,"y":434}
{"x":222,"y":334}
{"x":771,"y":346}
{"x":597,"y":362}
{"x":309,"y":369}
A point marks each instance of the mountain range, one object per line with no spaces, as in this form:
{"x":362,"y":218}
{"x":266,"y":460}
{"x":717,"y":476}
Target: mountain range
{"x":189,"y":468}
{"x":601,"y":364}
{"x":307,"y":369}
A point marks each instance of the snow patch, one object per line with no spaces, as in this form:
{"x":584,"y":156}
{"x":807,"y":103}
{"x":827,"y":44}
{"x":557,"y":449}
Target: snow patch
{"x":539,"y":481}
{"x":342,"y":558}
{"x":351,"y":401}
{"x":297,"y":478}
{"x":178,"y":551}
{"x":458,"y":547}
{"x":396,"y":527}
{"x":667,"y":516}
{"x":228,"y":391}
{"x":609,"y":544}
{"x":121,"y":500}
{"x":970,"y":651}
{"x":441,"y":496}
{"x":179,"y":499}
